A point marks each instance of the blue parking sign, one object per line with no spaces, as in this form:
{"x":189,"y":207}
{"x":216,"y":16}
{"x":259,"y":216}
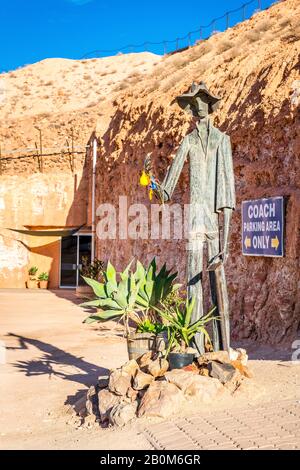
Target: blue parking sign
{"x":263,"y":227}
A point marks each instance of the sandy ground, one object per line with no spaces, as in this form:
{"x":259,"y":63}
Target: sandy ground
{"x":51,"y":358}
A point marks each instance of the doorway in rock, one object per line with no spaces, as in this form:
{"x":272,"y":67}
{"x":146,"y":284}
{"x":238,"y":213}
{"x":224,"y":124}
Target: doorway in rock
{"x":73,"y":248}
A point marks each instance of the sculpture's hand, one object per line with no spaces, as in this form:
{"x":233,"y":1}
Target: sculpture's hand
{"x":225,"y":255}
{"x":148,"y":179}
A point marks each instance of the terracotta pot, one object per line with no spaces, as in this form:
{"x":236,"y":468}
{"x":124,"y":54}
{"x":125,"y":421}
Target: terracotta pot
{"x":32,"y":284}
{"x":43,"y":284}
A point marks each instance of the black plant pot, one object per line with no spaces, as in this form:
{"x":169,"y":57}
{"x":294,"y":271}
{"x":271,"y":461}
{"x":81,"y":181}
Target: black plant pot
{"x":180,"y":360}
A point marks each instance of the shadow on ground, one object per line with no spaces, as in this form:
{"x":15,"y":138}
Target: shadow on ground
{"x":55,"y":362}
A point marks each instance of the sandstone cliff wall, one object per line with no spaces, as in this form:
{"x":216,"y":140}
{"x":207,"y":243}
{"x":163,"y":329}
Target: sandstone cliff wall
{"x":255,"y":67}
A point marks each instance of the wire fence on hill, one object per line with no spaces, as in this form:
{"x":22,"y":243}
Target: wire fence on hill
{"x":229,"y":19}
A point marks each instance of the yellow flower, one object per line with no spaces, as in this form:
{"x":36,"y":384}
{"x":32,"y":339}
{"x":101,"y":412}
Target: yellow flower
{"x":144,"y":179}
{"x":150,"y":194}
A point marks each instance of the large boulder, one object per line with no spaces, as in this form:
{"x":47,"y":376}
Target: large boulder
{"x":142,"y":380}
{"x":223,"y":372}
{"x":119,"y":381}
{"x":204,"y":388}
{"x":130,"y":367}
{"x":107,"y":400}
{"x":103,"y":381}
{"x":122,"y":413}
{"x":144,"y":360}
{"x":158,"y":368}
{"x":162,"y":399}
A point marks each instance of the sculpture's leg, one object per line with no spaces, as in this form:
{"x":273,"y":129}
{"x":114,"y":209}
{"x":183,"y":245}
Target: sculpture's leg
{"x":223,"y":306}
{"x":221,"y":328}
{"x":194,"y":282}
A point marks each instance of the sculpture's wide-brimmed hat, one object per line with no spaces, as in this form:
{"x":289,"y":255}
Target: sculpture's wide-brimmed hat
{"x":195,"y":90}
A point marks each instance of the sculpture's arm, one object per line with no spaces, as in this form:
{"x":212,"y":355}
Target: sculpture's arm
{"x":174,"y":171}
{"x":227,"y":213}
{"x":226,"y":191}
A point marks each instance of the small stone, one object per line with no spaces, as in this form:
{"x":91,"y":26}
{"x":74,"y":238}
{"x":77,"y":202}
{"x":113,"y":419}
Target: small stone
{"x":119,"y":381}
{"x":107,"y":400}
{"x":122,"y":413}
{"x":158,"y":368}
{"x":234,"y":383}
{"x":220,"y":356}
{"x":233,"y":354}
{"x":142,"y":380}
{"x":247,"y":372}
{"x":130,"y":367}
{"x":103,"y":381}
{"x":243,"y":356}
{"x":144,"y":360}
{"x":244,"y":370}
{"x":92,"y":401}
{"x":191,"y":368}
{"x":223,"y":372}
{"x":132,"y":394}
{"x":80,"y":406}
{"x":204,"y":371}
{"x":161,"y":399}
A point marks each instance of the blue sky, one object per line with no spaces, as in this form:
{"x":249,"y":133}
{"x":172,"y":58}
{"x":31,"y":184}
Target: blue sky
{"x":33,"y":30}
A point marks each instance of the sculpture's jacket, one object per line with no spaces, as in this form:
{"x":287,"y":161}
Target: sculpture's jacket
{"x":211,"y":177}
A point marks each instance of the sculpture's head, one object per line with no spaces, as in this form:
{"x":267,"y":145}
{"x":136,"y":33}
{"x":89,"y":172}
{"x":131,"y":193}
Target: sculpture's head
{"x":198,"y":101}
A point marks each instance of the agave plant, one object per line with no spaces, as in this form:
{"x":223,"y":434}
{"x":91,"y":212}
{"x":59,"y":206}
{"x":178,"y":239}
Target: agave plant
{"x":180,"y":328}
{"x":116,"y":298}
{"x":155,"y":287}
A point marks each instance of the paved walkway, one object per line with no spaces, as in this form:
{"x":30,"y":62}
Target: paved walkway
{"x":272,"y":426}
{"x":52,"y":358}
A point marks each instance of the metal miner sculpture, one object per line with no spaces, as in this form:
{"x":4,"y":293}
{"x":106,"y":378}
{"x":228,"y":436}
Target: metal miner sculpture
{"x":212,"y":195}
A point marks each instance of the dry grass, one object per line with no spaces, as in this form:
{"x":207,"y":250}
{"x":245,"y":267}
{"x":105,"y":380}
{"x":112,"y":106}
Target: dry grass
{"x":233,"y":53}
{"x":284,"y":23}
{"x":122,"y":86}
{"x":224,"y":46}
{"x":154,"y":86}
{"x":179,"y":62}
{"x":173,"y":81}
{"x":264,"y":26}
{"x":252,"y":36}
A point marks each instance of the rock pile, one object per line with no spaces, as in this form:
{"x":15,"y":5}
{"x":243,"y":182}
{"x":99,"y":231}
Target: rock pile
{"x":145,"y":388}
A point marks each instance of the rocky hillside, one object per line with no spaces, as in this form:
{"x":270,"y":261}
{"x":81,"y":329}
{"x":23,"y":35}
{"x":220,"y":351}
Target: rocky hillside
{"x":56,"y":95}
{"x":255,"y":68}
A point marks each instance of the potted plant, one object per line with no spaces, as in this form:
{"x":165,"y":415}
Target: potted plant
{"x":116,"y":298}
{"x":91,"y":270}
{"x":32,"y":280}
{"x":130,"y":298}
{"x":181,"y":331}
{"x":156,"y":287}
{"x":43,"y":280}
